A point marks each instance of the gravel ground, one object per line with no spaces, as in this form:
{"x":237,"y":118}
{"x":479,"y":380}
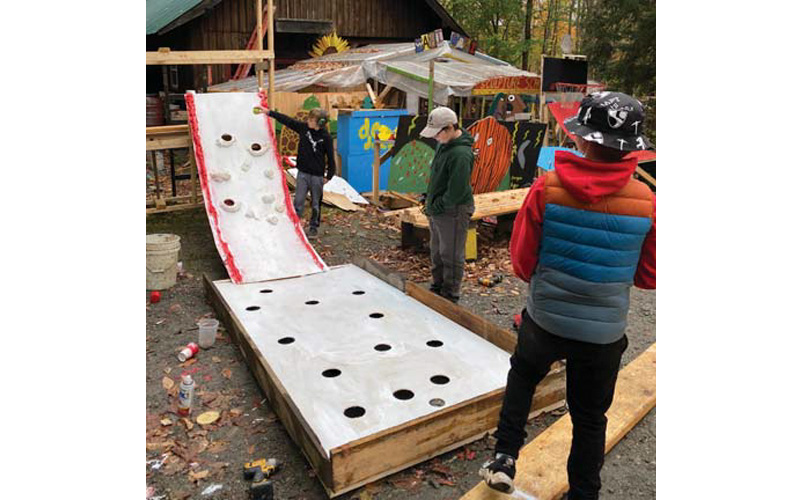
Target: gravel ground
{"x":185,"y":460}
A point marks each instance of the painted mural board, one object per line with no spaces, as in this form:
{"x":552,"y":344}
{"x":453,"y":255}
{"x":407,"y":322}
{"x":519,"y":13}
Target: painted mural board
{"x":506,"y":154}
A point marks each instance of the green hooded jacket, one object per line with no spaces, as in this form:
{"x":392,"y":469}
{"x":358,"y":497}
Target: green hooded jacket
{"x":451,"y":170}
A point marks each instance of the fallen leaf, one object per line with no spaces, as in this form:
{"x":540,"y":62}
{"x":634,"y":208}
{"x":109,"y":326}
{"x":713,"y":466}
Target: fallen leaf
{"x":216,"y":359}
{"x":197,"y":476}
{"x":188,"y":423}
{"x":167,"y":370}
{"x":251,"y":449}
{"x":175,"y":308}
{"x":188,"y":362}
{"x":167,"y":383}
{"x":166,"y":421}
{"x":226,"y":373}
{"x":208,"y":417}
{"x":216,"y":446}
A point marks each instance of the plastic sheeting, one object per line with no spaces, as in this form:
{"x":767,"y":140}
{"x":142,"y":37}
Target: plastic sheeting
{"x":456,"y":72}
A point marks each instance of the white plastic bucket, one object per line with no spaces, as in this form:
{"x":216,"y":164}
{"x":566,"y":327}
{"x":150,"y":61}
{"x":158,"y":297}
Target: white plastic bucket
{"x":162,"y":260}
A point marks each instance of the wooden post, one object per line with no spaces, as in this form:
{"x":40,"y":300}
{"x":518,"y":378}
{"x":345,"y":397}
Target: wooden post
{"x":430,"y":86}
{"x":376,"y":172}
{"x":271,"y":46}
{"x":192,"y":164}
{"x":260,"y":42}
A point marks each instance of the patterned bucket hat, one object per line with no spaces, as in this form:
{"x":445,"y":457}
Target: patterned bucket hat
{"x":612,"y":119}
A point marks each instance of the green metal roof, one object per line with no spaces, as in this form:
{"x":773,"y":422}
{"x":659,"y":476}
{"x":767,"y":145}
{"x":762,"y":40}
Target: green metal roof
{"x":162,"y":12}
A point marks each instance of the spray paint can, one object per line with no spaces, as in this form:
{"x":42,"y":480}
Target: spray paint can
{"x":185,"y":395}
{"x":188,"y":351}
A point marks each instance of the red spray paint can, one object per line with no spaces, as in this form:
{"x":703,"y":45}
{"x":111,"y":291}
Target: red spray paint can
{"x":188,"y":351}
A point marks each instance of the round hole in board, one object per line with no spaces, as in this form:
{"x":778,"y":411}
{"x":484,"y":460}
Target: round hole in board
{"x":228,"y":202}
{"x":312,"y":302}
{"x":286,"y":340}
{"x":255,"y":146}
{"x":403,"y":394}
{"x":331,"y":372}
{"x":266,"y":290}
{"x":376,"y":315}
{"x":436,"y":402}
{"x":440,"y":379}
{"x":382,"y":347}
{"x":226,"y":137}
{"x":253,"y":308}
{"x":435,"y":343}
{"x":354,"y":412}
{"x":359,"y":292}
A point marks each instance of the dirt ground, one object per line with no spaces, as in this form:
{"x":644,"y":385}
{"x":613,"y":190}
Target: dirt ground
{"x":187,"y":461}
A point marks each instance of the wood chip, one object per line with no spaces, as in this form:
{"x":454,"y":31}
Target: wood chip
{"x":166,"y":421}
{"x":216,"y":359}
{"x":167,"y":383}
{"x":197,"y":476}
{"x":188,"y":423}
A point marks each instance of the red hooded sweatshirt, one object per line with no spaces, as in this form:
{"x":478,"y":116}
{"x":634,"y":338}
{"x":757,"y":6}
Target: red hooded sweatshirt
{"x":587,"y":181}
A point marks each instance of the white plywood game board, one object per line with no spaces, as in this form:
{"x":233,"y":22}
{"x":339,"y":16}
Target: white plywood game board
{"x":357,"y":355}
{"x":255,"y":228}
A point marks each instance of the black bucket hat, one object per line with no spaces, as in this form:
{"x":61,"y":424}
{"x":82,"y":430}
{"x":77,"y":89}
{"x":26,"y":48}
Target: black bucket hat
{"x":612,"y":119}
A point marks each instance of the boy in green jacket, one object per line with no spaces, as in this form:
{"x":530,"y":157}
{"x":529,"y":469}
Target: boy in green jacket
{"x":449,"y":204}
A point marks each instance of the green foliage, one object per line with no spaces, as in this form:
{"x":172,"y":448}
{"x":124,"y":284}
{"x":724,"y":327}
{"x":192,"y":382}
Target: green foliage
{"x":617,"y":36}
{"x":619,"y":40}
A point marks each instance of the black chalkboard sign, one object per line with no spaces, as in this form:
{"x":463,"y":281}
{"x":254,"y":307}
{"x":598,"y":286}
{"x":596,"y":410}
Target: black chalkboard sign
{"x":565,"y":71}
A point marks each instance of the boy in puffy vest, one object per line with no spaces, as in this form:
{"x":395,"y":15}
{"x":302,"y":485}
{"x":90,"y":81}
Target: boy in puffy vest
{"x":585,"y":233}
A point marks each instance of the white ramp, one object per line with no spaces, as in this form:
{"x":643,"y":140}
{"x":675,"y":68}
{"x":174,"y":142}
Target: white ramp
{"x":255,"y":227}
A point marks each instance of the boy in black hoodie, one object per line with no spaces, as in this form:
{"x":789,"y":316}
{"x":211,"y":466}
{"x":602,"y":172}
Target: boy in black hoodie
{"x":313,"y":171}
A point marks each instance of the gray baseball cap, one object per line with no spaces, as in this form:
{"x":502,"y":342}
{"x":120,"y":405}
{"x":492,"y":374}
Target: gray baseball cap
{"x":439,"y":119}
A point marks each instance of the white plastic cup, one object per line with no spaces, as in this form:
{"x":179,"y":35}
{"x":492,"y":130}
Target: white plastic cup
{"x":208,"y":332}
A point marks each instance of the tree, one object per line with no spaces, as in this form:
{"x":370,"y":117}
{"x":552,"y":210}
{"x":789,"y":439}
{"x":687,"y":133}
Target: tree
{"x":619,"y":40}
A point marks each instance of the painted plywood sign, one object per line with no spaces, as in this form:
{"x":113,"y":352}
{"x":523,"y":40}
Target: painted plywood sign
{"x":255,"y":228}
{"x":505,"y":155}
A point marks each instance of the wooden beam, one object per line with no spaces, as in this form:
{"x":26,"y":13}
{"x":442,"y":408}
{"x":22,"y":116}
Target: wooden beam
{"x":166,"y":56}
{"x":308,"y":26}
{"x":649,"y":178}
{"x":260,"y":41}
{"x":486,"y":205}
{"x":376,"y":171}
{"x":542,"y":464}
{"x":271,"y":48}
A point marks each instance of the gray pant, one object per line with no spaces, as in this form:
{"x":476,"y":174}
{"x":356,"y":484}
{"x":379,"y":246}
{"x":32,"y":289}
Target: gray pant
{"x":305,"y":183}
{"x":448,"y":240}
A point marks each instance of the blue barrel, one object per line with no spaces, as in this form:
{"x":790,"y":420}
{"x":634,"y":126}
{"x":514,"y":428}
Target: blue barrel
{"x":355,"y":136}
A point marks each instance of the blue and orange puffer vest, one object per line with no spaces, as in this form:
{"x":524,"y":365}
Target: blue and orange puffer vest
{"x":593,"y":228}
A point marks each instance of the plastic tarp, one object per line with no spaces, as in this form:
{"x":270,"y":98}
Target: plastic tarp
{"x":342,"y":70}
{"x":547,"y":156}
{"x":563,"y":110}
{"x":456,"y":72}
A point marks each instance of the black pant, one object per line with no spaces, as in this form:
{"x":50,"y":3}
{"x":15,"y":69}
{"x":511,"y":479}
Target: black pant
{"x":591,"y":377}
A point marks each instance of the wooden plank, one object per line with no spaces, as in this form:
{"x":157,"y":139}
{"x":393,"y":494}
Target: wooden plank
{"x":208,"y":56}
{"x":503,"y":339}
{"x":382,"y":454}
{"x":172,"y":208}
{"x":486,"y":205}
{"x":270,"y":384}
{"x":174,"y":141}
{"x":649,"y":178}
{"x":542,"y":464}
